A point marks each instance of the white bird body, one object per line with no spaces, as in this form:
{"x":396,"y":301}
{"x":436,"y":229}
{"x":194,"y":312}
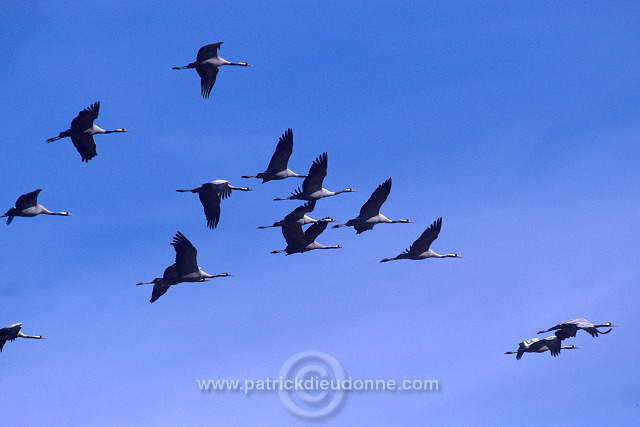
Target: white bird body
{"x":185,"y":269}
{"x":27,"y":206}
{"x":278,"y":165}
{"x":553,"y":344}
{"x":12,"y":332}
{"x":420,"y":249}
{"x":570,"y":327}
{"x":312,"y":184}
{"x":370,"y":214}
{"x":297,"y":217}
{"x":299,"y":241}
{"x":207,"y":64}
{"x":82,"y":130}
{"x":210,"y":194}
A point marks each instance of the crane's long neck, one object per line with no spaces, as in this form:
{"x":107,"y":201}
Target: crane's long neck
{"x":48,"y":212}
{"x":330,"y":247}
{"x":435,"y":255}
{"x":400,"y":221}
{"x":37,"y":337}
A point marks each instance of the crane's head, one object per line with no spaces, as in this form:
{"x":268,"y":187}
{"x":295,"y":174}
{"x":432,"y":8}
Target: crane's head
{"x":121,"y":130}
{"x":570,"y":347}
{"x":328,"y":219}
{"x":608,"y":324}
{"x":223,"y":275}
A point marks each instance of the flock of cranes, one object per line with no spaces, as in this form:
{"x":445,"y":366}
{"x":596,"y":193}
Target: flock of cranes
{"x":564,"y":330}
{"x":186,"y":269}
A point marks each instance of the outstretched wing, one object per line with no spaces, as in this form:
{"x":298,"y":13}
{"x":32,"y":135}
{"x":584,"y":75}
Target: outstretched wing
{"x":362,"y":228}
{"x":185,"y":255}
{"x":565,"y":333}
{"x":84,"y":119}
{"x":300,"y":211}
{"x":211,"y":204}
{"x":159,"y":289}
{"x":294,"y":235}
{"x":554,"y":345}
{"x":317,"y":172}
{"x":426,"y":239}
{"x":85,"y":145}
{"x":207,"y":52}
{"x":208,"y":74}
{"x":280,"y":159}
{"x":28,"y":200}
{"x":372,"y":206}
{"x":314,"y":231}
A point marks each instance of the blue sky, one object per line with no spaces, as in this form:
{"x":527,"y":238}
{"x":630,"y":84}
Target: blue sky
{"x":517,"y":122}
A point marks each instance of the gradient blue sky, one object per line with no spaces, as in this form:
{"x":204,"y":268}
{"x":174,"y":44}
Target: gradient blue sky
{"x":516,"y":121}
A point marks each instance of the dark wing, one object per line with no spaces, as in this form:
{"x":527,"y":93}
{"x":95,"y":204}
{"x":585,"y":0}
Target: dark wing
{"x":85,"y":145}
{"x":207,"y":52}
{"x":280,"y":159}
{"x":185,"y":255}
{"x":208,"y":75}
{"x":294,"y":235}
{"x":84,"y":119}
{"x":362,"y":228}
{"x":314,"y":231}
{"x":317,"y":172}
{"x":300,"y":211}
{"x":3,"y":337}
{"x":565,"y":333}
{"x":554,"y":346}
{"x":159,"y":289}
{"x":170,"y":272}
{"x":28,"y":200}
{"x":372,"y":207}
{"x":521,"y":350}
{"x":426,"y":239}
{"x":211,"y":204}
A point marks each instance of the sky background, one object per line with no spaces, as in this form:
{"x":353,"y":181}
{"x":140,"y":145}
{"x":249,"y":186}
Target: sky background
{"x":515,"y":121}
